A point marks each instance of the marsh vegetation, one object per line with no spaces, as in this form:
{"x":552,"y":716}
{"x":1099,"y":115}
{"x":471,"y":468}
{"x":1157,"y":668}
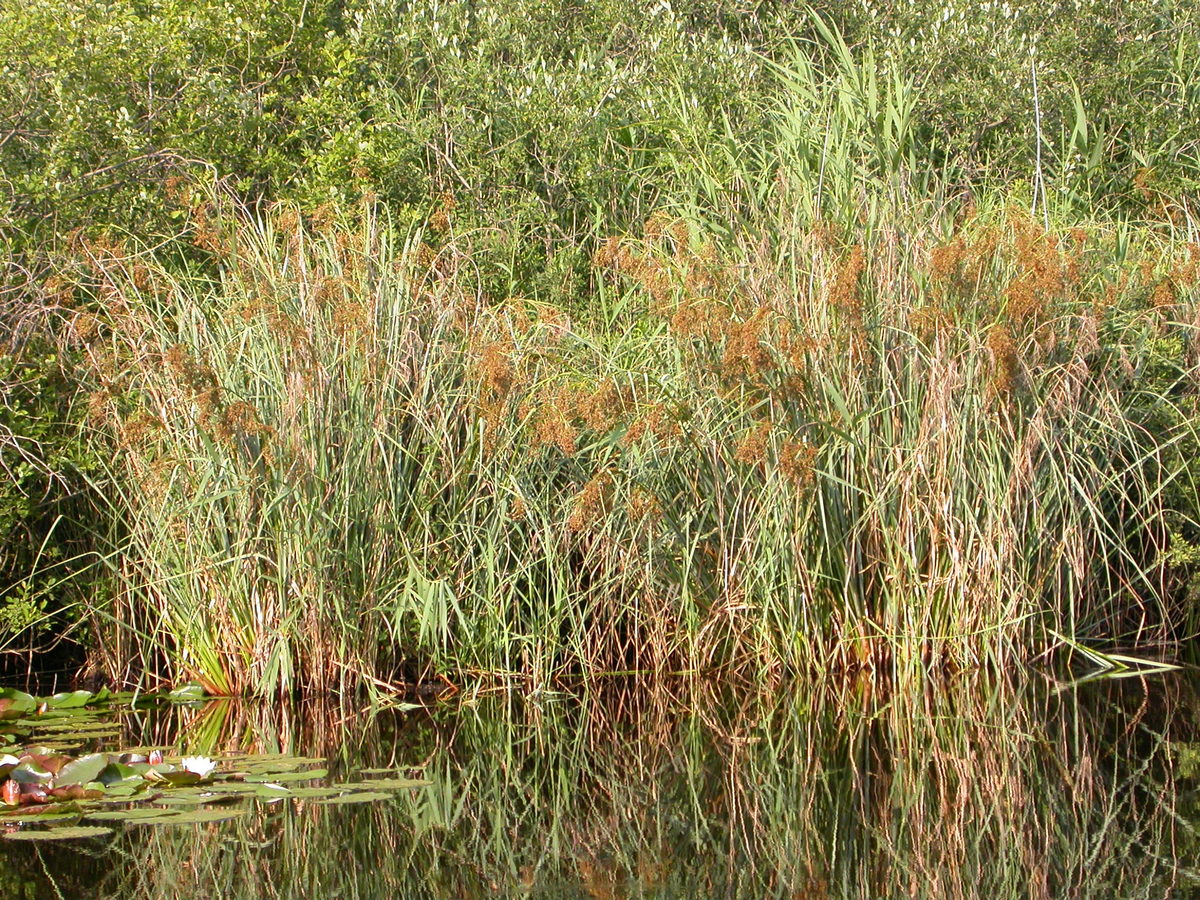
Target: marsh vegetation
{"x":361,"y":344}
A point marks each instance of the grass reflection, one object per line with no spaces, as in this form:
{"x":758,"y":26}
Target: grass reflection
{"x":971,"y":790}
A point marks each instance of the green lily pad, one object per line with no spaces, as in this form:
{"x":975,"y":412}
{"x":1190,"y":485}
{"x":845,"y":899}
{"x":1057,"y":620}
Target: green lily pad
{"x":395,"y":784}
{"x":280,"y":777}
{"x":118,"y":800}
{"x":260,"y":756}
{"x":64,"y":746}
{"x":128,"y":815}
{"x":236,"y":787}
{"x":77,"y":722}
{"x":180,"y":777}
{"x":81,"y":771}
{"x":186,"y":692}
{"x":287,"y":764}
{"x":193,"y":816}
{"x":116,"y":774}
{"x":44,"y":818}
{"x":175,"y":798}
{"x":64,"y":833}
{"x":271,"y":792}
{"x":357,"y":797}
{"x":70,"y":700}
{"x":87,"y":732}
{"x":29,"y":772}
{"x":316,"y":793}
{"x":14,"y":701}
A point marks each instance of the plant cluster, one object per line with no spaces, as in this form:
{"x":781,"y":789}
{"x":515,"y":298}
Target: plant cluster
{"x":485,"y":338}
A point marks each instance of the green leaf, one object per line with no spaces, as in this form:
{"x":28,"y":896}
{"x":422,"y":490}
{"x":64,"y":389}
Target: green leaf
{"x":190,"y":691}
{"x":30,"y":772}
{"x":132,"y":814}
{"x":395,"y":784}
{"x":83,"y":770}
{"x":65,"y":833}
{"x":358,"y":797}
{"x":70,"y":700}
{"x":280,"y":777}
{"x":13,"y":701}
{"x":118,"y":774}
{"x":179,"y":798}
{"x":192,"y":817}
{"x":271,"y":792}
{"x":316,"y":793}
{"x":45,"y":818}
{"x":180,"y":777}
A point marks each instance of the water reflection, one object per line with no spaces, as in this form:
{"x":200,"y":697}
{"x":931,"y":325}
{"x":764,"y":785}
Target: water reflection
{"x":970,"y":790}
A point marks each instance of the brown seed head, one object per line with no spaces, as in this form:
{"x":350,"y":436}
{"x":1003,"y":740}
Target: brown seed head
{"x":592,"y":503}
{"x":796,"y":460}
{"x":752,"y":449}
{"x":1005,"y":360}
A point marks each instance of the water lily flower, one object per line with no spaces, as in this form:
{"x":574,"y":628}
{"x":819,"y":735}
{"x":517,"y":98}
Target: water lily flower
{"x":198,"y":765}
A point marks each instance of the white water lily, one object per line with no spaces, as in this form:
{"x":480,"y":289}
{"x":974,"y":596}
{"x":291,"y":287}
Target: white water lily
{"x":198,"y":765}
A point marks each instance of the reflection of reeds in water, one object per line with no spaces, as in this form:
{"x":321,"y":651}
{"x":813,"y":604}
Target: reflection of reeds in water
{"x":969,"y":792}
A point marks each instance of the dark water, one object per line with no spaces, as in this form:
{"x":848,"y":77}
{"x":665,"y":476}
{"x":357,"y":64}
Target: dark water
{"x":974,"y":789}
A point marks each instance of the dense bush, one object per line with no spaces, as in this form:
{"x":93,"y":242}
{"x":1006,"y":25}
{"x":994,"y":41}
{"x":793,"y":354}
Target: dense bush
{"x":540,"y":118}
{"x":44,"y":508}
{"x":1118,"y":87}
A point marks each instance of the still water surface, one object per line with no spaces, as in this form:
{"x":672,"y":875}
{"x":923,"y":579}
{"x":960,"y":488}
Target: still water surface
{"x":975,"y":789}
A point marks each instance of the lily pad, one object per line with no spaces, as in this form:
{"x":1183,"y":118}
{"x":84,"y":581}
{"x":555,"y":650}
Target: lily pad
{"x":29,"y":772}
{"x":316,"y":793}
{"x":92,"y":731}
{"x":79,"y":721}
{"x":279,"y":777}
{"x":395,"y":784}
{"x":116,"y":774}
{"x":64,"y":746}
{"x":286,"y":764}
{"x":75,"y":792}
{"x":236,"y":787}
{"x":128,"y":815}
{"x":14,"y":701}
{"x":271,"y":792}
{"x":64,"y":833}
{"x":44,"y":818}
{"x":81,"y":771}
{"x":177,"y":798}
{"x":187,"y":692}
{"x":357,"y":797}
{"x":70,"y":700}
{"x":193,"y":817}
{"x":180,"y":777}
{"x":120,"y":799}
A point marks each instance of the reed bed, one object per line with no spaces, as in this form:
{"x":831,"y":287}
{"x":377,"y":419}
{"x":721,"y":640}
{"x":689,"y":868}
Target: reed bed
{"x":337,"y":460}
{"x":812,"y":417}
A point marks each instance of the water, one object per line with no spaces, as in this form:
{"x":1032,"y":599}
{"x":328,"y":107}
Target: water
{"x":976,"y":789}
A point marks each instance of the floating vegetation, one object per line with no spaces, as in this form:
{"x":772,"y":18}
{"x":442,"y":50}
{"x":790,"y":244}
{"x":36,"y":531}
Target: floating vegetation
{"x":66,"y":833}
{"x":45,"y":793}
